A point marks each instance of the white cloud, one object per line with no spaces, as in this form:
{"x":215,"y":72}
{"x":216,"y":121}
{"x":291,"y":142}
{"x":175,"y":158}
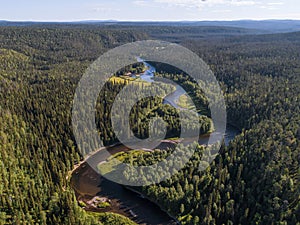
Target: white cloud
{"x":275,"y":3}
{"x":222,"y":11}
{"x":201,"y":3}
{"x":271,"y":5}
{"x":141,"y":2}
{"x":215,"y":6}
{"x":102,"y":8}
{"x":243,"y":3}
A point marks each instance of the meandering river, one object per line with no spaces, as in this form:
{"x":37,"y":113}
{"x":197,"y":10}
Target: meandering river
{"x":87,"y":183}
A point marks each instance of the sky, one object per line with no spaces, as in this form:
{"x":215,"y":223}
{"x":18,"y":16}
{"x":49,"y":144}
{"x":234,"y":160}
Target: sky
{"x":148,"y":10}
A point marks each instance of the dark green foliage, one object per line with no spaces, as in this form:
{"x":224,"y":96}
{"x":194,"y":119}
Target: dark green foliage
{"x":38,"y":75}
{"x":114,"y":219}
{"x":255,"y":180}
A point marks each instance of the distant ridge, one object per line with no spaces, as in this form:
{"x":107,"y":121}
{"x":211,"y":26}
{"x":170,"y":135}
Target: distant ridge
{"x":267,"y":26}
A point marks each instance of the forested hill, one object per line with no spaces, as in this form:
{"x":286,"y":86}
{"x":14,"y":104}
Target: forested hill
{"x":57,"y":44}
{"x":174,"y":31}
{"x":266,"y":26}
{"x":255,"y":180}
{"x":39,"y":71}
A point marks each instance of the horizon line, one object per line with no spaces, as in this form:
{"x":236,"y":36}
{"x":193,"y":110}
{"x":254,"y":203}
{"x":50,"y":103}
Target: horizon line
{"x":139,"y":21}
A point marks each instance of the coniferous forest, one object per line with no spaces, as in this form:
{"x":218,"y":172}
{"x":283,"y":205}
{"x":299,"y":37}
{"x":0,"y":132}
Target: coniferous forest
{"x":254,"y":180}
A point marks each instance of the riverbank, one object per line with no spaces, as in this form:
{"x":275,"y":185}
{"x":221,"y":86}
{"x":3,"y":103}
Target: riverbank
{"x":122,"y":201}
{"x":88,"y":185}
{"x":154,"y":202}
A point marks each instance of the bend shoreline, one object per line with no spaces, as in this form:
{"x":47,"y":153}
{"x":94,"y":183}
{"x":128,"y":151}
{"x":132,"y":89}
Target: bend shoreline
{"x":124,"y":200}
{"x":88,"y":184}
{"x":151,"y":200}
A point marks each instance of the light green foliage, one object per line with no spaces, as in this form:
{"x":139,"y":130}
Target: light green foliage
{"x":253,"y":181}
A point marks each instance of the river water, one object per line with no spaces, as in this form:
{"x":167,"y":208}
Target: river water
{"x":172,"y":99}
{"x":87,"y":183}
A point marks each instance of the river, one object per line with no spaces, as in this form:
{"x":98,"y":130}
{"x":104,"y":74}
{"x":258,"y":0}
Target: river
{"x":172,"y":99}
{"x":88,"y":184}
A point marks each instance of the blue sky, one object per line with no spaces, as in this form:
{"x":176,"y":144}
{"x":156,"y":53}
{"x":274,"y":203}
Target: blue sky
{"x":154,"y":10}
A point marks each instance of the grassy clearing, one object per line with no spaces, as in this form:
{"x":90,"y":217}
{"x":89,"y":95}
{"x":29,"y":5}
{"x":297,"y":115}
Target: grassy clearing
{"x":103,"y":205}
{"x":126,"y":80}
{"x":185,"y":102}
{"x":121,"y":79}
{"x":113,"y":162}
{"x":112,"y":218}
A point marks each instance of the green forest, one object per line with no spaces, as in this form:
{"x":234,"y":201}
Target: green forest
{"x":254,"y":180}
